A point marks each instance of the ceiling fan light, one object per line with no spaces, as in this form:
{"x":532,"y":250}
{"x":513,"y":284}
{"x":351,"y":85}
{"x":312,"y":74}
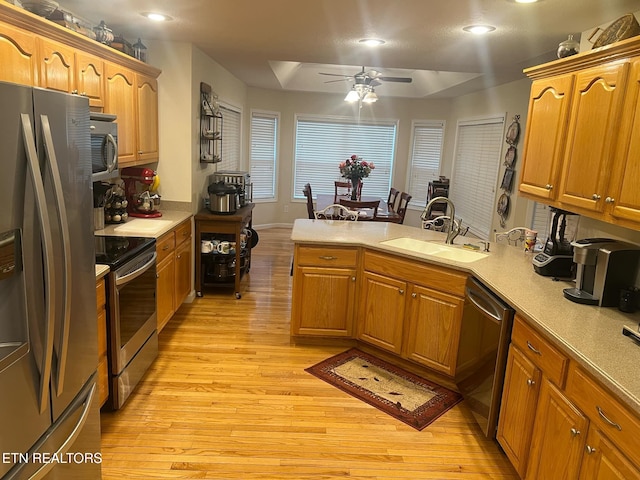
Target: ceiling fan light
{"x":352,"y":96}
{"x":370,"y":97}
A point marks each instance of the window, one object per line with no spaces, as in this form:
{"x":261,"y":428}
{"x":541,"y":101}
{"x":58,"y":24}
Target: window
{"x":264,"y":154}
{"x":322,"y":143}
{"x":475,"y":172}
{"x":230,"y":138}
{"x":426,"y":153}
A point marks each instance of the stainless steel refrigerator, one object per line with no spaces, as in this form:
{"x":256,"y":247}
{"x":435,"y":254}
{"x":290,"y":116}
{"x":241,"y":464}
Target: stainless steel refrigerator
{"x":49,"y":417}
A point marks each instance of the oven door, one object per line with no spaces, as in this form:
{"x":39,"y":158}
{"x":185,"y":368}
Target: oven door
{"x":133,"y":308}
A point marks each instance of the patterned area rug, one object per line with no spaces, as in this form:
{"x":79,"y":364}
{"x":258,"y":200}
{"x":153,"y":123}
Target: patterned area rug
{"x":401,"y":394}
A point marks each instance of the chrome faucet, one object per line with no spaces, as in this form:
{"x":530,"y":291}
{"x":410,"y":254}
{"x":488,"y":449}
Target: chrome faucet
{"x":453,"y":229}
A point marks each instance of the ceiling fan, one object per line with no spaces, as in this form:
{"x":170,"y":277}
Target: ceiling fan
{"x":363,"y":77}
{"x":364,"y":83}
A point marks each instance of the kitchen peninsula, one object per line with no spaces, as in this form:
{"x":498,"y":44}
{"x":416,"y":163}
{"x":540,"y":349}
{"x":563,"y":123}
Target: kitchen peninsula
{"x":583,"y":338}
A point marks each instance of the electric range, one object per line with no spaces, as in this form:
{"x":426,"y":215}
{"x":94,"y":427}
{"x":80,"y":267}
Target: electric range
{"x":114,"y":250}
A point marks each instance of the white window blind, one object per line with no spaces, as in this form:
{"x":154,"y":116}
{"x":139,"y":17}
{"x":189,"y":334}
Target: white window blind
{"x":264,"y":136}
{"x":230,"y":139}
{"x":322,"y":143}
{"x":426,"y":154}
{"x":475,"y":171}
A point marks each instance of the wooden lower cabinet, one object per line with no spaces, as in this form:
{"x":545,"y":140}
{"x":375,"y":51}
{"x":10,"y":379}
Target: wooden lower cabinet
{"x":603,"y":461}
{"x":324,"y":291}
{"x":173,"y":271}
{"x":432,"y":329}
{"x":557,"y":422}
{"x":559,"y":436}
{"x":382,"y":311}
{"x":517,"y":413}
{"x":103,"y":367}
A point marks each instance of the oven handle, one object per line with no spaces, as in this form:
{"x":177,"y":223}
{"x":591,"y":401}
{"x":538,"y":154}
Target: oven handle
{"x":476,"y":297}
{"x":136,"y":273}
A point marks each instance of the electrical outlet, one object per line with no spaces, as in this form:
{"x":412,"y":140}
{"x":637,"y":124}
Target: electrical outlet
{"x":286,"y":208}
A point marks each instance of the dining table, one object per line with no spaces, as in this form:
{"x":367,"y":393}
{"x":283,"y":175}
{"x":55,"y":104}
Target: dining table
{"x":384,"y":213}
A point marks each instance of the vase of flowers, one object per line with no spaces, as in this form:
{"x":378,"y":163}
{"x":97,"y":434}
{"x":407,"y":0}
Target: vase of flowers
{"x":355,"y":169}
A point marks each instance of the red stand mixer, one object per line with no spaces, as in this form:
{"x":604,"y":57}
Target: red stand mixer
{"x":139,"y":184}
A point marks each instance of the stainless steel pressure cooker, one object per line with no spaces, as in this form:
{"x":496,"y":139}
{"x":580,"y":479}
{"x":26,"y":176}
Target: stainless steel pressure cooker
{"x":223,"y":198}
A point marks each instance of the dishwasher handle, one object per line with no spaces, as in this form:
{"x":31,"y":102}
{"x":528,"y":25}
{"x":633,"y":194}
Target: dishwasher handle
{"x":486,"y":302}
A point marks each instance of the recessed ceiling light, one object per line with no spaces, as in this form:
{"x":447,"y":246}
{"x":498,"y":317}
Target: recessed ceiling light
{"x":479,"y":29}
{"x":525,"y":1}
{"x":372,"y":42}
{"x":156,"y":17}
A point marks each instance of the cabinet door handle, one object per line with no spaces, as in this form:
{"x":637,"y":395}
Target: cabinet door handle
{"x":533,"y":349}
{"x":414,"y":295}
{"x":595,"y":196}
{"x":166,"y":247}
{"x":609,"y":200}
{"x":574,"y":432}
{"x":610,"y":422}
{"x":353,"y":279}
{"x":548,"y":186}
{"x":327,"y":257}
{"x":530,"y":382}
{"x":590,"y":450}
{"x":400,"y":291}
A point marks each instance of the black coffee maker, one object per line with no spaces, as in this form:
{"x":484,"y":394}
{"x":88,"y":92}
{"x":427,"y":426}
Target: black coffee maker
{"x":556,"y":260}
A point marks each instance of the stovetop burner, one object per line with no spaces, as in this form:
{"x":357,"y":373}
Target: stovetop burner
{"x":115,"y":251}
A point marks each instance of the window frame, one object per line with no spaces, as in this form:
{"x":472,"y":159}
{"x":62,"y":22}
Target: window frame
{"x":276,"y":145}
{"x":328,"y":188}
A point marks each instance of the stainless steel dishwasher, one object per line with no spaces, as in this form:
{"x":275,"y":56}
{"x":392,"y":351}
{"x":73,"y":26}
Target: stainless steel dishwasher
{"x":482,"y":354}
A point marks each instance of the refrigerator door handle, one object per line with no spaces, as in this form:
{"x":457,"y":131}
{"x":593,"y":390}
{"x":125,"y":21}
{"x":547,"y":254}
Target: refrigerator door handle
{"x":47,"y":246}
{"x":66,"y":252}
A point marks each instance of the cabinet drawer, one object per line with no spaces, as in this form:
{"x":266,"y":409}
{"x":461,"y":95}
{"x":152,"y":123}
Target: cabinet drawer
{"x":101,"y":297}
{"x":609,"y":415}
{"x":327,"y":256}
{"x":432,"y":276}
{"x":540,"y":352}
{"x":183,"y":232}
{"x":165,"y":245}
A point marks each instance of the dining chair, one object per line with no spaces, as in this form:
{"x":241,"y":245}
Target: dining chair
{"x":342,"y":189}
{"x":363,"y":207}
{"x":405,"y":198}
{"x":336,"y":211}
{"x":393,"y":198}
{"x":307,"y":193}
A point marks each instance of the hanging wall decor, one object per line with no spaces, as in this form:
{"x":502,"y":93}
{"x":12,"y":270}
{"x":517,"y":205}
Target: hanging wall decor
{"x":512,"y":136}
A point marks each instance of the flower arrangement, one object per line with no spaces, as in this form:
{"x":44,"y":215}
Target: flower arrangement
{"x":356,"y":168}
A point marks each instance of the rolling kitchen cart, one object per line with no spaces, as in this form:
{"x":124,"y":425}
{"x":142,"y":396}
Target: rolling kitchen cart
{"x":222,"y":269}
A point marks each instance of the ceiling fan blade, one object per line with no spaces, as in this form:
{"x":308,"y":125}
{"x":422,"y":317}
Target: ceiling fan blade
{"x":339,"y":80}
{"x":335,"y":75}
{"x":395,"y":79}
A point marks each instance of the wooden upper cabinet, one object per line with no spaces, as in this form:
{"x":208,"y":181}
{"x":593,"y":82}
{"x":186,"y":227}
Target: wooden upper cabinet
{"x":594,"y":125}
{"x":57,"y":66}
{"x":120,"y":100}
{"x":147,"y":133}
{"x":624,"y":195}
{"x":90,"y":79}
{"x":18,"y":54}
{"x":545,"y":137}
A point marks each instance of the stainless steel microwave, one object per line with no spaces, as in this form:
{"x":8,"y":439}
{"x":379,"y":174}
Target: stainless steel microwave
{"x":104,"y":147}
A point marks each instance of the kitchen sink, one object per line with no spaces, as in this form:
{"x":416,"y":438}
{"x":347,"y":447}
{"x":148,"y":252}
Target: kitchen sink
{"x":449,"y":252}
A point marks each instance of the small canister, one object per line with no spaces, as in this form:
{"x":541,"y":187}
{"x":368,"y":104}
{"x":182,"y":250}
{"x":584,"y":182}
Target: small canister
{"x":628,"y":300}
{"x":530,"y":237}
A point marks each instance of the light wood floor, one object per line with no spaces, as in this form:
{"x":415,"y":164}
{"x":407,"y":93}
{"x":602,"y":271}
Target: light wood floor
{"x":228,"y":398}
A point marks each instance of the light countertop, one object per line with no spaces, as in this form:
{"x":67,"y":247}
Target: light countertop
{"x":142,"y":227}
{"x":591,"y":335}
{"x":146,"y":227}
